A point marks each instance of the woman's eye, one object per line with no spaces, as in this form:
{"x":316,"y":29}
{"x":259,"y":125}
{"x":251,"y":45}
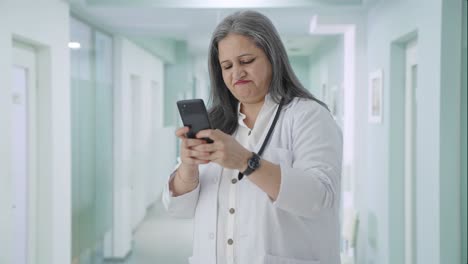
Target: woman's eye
{"x":247,"y":61}
{"x":227,"y":67}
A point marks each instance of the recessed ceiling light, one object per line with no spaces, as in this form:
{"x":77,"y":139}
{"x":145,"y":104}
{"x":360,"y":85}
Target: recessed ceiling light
{"x":313,"y":24}
{"x":74,"y":45}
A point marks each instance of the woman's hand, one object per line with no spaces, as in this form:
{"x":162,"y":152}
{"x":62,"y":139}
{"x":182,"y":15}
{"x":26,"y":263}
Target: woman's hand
{"x":186,"y":178}
{"x":190,"y":158}
{"x":188,"y":155}
{"x":225,"y":150}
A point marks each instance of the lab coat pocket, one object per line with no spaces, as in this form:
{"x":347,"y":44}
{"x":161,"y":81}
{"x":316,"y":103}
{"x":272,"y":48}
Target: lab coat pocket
{"x":270,"y":259}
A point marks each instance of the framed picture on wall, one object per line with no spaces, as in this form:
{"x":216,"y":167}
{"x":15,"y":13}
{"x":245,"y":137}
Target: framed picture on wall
{"x":375,"y":100}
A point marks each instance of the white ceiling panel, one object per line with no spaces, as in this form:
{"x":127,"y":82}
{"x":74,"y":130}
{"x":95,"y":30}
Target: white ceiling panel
{"x":193,"y":21}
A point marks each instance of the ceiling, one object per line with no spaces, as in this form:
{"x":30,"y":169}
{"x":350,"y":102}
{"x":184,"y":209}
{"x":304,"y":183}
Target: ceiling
{"x":193,"y":21}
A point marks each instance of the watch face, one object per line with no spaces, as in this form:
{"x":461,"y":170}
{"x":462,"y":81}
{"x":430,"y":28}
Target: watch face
{"x":254,"y":163}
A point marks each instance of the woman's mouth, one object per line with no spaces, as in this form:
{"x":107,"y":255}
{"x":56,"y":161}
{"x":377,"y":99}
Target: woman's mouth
{"x":240,"y":82}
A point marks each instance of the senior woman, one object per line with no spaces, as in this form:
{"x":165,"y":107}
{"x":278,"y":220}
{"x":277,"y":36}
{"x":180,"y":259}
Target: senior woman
{"x":268,"y":189}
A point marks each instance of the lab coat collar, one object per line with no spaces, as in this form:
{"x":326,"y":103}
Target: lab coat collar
{"x":268,"y":104}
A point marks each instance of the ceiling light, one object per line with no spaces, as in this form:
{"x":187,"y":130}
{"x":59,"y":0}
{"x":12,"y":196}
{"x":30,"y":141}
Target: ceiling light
{"x":313,"y":24}
{"x":74,"y":45}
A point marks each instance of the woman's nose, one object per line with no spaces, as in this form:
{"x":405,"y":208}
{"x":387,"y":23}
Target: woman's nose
{"x":239,"y":72}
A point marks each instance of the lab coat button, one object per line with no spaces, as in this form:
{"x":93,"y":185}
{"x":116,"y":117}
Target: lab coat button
{"x":234,"y":181}
{"x":230,"y":241}
{"x":211,"y":236}
{"x":232,"y":210}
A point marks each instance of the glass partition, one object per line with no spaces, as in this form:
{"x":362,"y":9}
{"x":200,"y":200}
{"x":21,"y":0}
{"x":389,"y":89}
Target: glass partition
{"x":92,"y":139}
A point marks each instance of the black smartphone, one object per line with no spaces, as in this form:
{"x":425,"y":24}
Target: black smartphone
{"x":194,"y":115}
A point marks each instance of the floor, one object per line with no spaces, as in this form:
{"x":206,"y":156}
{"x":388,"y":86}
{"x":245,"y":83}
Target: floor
{"x":160,"y":239}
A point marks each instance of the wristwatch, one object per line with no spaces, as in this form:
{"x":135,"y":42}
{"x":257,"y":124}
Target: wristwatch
{"x":252,"y":164}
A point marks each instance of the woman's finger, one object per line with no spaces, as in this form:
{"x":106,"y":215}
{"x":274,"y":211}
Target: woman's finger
{"x":193,"y":154}
{"x":190,"y":143}
{"x":214,"y":156}
{"x":189,"y":157}
{"x":207,"y":147}
{"x":213,"y":134}
{"x":197,"y":154}
{"x":180,"y":132}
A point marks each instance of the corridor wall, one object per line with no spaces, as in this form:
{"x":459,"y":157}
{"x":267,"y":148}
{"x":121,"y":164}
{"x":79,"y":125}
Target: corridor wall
{"x":326,"y":74}
{"x":464,"y":136}
{"x":301,"y":66}
{"x":43,"y":25}
{"x":137,"y":108}
{"x":179,"y":77}
{"x":437,"y":209}
{"x":201,"y":77}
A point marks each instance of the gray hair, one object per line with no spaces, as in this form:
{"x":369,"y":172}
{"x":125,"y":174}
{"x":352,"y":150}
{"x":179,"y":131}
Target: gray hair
{"x":284,"y":83}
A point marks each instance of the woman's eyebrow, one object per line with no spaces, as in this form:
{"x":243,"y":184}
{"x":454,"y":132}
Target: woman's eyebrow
{"x":245,"y":54}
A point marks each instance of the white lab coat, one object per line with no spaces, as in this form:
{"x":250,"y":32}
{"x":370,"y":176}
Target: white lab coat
{"x":301,"y":226}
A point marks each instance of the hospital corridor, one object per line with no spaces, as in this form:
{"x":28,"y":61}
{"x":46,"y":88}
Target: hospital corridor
{"x":88,"y":120}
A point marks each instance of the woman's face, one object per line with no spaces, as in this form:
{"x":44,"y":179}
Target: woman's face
{"x":245,"y":67}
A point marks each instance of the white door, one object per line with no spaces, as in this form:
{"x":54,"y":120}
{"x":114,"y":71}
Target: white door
{"x":155,"y":109}
{"x":23,"y":125}
{"x":410,"y":150}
